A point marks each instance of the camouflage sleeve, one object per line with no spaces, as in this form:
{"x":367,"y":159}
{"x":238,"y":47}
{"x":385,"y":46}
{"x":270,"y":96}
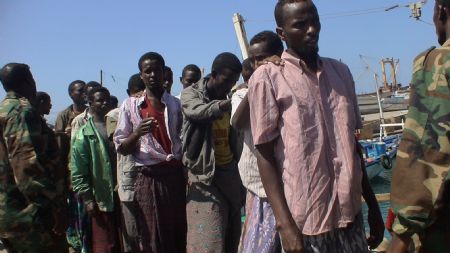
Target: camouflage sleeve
{"x":79,"y":167}
{"x":421,"y":178}
{"x":30,"y":176}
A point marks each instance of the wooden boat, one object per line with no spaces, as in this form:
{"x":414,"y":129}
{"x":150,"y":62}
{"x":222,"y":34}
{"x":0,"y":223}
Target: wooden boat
{"x":378,"y":155}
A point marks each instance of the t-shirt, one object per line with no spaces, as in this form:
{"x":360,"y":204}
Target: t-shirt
{"x":221,"y":134}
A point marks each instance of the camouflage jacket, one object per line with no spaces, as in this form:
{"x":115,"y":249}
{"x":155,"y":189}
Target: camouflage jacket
{"x":31,"y":180}
{"x":421,"y":179}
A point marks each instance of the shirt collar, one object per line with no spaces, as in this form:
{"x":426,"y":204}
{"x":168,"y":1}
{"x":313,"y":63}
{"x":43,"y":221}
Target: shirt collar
{"x":288,"y":57}
{"x":141,"y":99}
{"x":13,"y":94}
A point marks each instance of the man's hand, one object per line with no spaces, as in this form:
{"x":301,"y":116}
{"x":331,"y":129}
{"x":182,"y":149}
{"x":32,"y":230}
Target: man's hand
{"x":91,"y":208}
{"x":275,"y":59}
{"x":291,"y":239}
{"x":225,"y":105}
{"x":376,"y":226}
{"x":398,"y":244}
{"x":146,"y":126}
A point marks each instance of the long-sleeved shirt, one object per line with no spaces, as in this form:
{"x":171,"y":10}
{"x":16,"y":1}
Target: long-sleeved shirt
{"x":200,"y":111}
{"x":31,"y":176}
{"x":150,"y":152}
{"x":312,"y":118}
{"x":92,"y":170}
{"x":421,"y":180}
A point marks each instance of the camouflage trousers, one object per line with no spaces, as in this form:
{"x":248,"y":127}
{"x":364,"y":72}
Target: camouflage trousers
{"x":36,"y":241}
{"x":39,"y":237}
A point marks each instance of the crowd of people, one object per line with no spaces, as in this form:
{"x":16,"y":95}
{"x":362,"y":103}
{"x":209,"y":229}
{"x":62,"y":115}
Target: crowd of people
{"x":171,"y":174}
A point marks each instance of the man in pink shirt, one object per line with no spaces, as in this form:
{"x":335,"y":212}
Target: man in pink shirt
{"x":303,"y":118}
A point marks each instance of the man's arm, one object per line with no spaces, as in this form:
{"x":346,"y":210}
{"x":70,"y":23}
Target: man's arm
{"x":125,"y":138}
{"x":375,"y":218}
{"x":31,"y":177}
{"x":290,"y":235}
{"x":197,"y":110}
{"x":241,"y":117}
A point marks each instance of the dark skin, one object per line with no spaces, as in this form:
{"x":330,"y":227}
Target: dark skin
{"x":220,"y":84}
{"x":168,"y":77}
{"x":78,"y":94}
{"x":44,"y":107}
{"x":441,"y":19}
{"x":189,"y":78}
{"x":99,"y":105}
{"x":152,"y":75}
{"x":300,"y":30}
{"x":260,"y":53}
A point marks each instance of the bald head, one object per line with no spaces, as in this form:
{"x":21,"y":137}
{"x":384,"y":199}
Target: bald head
{"x":17,"y":77}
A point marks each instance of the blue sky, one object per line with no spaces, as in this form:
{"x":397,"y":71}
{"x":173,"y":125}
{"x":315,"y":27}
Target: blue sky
{"x":67,"y":40}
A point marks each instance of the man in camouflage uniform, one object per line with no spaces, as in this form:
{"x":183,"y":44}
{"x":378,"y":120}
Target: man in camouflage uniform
{"x":421,"y":181}
{"x":32,"y":199}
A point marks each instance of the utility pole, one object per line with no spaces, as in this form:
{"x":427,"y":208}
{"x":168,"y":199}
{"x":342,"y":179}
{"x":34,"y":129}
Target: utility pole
{"x":238,"y":22}
{"x":101,"y":77}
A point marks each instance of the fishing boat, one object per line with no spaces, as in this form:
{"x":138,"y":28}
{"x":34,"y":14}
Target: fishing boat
{"x":378,"y":154}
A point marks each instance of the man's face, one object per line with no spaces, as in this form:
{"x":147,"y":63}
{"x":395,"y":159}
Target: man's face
{"x":168,"y":78}
{"x":439,"y":23}
{"x":152,"y":74}
{"x":46,"y":106}
{"x":100,"y":103}
{"x":301,"y":28}
{"x":78,"y":94}
{"x":189,"y":78}
{"x":259,"y":52}
{"x":222,"y":82}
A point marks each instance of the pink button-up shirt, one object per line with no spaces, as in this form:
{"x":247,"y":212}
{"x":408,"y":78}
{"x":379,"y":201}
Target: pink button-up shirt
{"x":312,"y":117}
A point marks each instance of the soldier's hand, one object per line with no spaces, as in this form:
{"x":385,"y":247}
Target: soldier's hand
{"x":91,"y":208}
{"x":146,"y":126}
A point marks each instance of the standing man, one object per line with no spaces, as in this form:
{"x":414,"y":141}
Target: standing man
{"x":33,"y":210}
{"x":210,"y":153}
{"x":77,"y":234}
{"x":126,"y":175}
{"x":420,"y":194}
{"x":190,"y":75}
{"x":83,"y":117}
{"x":259,"y":232}
{"x":149,"y":129}
{"x":92,"y":167}
{"x":168,"y":78}
{"x":303,"y":118}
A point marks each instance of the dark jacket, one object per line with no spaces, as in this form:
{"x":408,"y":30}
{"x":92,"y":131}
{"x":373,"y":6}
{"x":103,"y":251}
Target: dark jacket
{"x":199,"y":112}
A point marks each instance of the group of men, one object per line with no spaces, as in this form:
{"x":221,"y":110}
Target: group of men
{"x":166,"y":174}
